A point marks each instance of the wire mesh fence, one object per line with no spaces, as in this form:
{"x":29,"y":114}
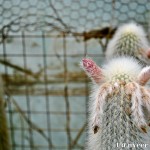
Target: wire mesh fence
{"x":41,"y":45}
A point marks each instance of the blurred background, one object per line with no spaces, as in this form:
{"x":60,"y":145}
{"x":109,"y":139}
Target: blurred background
{"x":41,"y":45}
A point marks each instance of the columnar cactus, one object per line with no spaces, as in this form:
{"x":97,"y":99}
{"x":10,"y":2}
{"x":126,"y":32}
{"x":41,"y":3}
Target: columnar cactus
{"x":130,"y":39}
{"x":116,"y":119}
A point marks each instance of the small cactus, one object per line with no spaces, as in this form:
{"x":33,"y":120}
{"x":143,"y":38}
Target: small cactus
{"x":130,"y":39}
{"x":115,"y":107}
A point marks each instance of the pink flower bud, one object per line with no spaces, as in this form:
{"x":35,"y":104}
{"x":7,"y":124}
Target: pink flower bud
{"x":92,"y":69}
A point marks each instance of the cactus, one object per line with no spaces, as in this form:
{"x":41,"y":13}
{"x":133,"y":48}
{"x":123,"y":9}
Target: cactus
{"x":130,"y":39}
{"x":116,"y":119}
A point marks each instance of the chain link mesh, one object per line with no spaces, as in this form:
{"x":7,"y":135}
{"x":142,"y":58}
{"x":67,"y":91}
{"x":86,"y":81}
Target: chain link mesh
{"x":74,"y":15}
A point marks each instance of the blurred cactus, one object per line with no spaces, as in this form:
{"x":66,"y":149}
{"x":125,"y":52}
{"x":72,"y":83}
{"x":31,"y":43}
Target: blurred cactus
{"x":115,"y":108}
{"x":130,"y":39}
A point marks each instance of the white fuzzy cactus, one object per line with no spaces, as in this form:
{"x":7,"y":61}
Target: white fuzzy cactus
{"x":115,"y":107}
{"x":130,"y":39}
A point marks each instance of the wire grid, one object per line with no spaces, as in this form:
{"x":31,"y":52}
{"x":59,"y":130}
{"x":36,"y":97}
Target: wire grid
{"x":42,"y":43}
{"x":31,"y":124}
